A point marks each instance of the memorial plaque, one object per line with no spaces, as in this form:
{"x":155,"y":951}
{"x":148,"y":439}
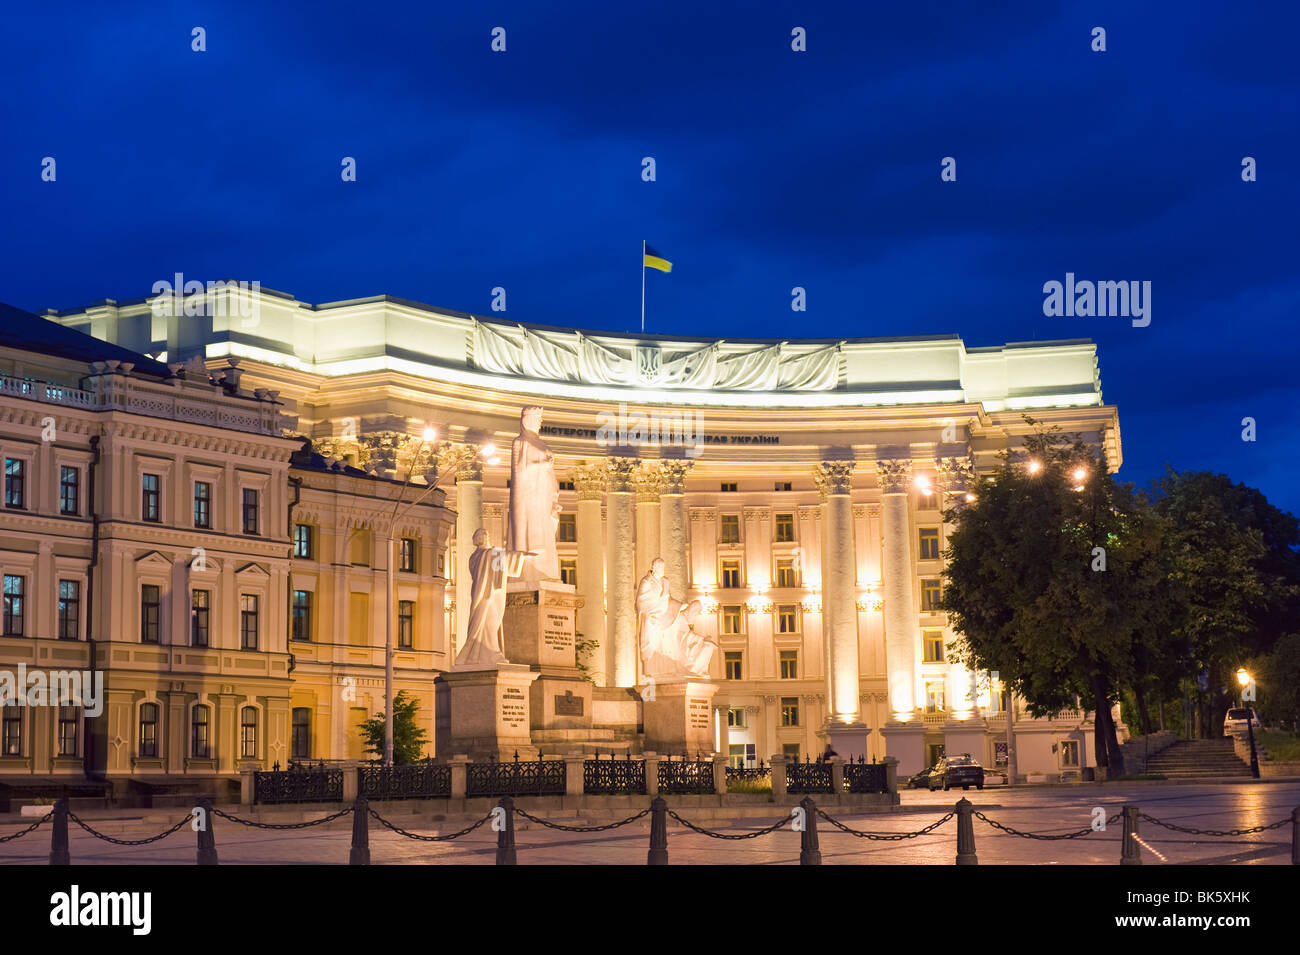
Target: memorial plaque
{"x":557,"y":633}
{"x":698,"y":710}
{"x":568,"y":704}
{"x":514,"y":708}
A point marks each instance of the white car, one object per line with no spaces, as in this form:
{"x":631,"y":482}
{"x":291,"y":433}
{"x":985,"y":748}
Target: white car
{"x":1235,"y":720}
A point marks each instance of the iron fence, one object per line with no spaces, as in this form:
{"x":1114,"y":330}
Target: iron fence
{"x":298,"y":784}
{"x":414,"y":781}
{"x":613,"y":777}
{"x":808,"y":777}
{"x":863,"y":777}
{"x":534,"y":777}
{"x":685,"y":776}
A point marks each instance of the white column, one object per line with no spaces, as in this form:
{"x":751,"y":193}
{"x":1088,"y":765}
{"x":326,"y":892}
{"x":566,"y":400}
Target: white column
{"x":468,"y":468}
{"x":672,"y":525}
{"x":620,"y":574}
{"x":839,"y":589}
{"x":589,"y":481}
{"x":648,"y":484}
{"x":901,"y":631}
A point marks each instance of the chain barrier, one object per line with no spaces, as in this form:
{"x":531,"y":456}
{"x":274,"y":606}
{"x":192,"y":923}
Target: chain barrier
{"x":129,"y":842}
{"x":1215,"y":832}
{"x":722,"y":835}
{"x":33,"y":827}
{"x":413,"y":835}
{"x":286,"y":825}
{"x":885,"y":836}
{"x":555,"y":825}
{"x":1044,"y":837}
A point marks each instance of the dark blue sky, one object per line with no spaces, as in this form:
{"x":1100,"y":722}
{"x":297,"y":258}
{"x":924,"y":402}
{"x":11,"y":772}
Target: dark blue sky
{"x":820,"y":169}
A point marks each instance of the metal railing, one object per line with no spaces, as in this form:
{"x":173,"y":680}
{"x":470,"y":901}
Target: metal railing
{"x":613,"y":777}
{"x":533,"y":777}
{"x":298,"y":784}
{"x":427,"y":780}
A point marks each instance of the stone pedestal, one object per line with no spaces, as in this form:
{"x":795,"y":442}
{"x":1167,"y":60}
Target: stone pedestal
{"x":848,"y":739}
{"x":539,"y":633}
{"x":905,"y":742}
{"x":678,"y":716}
{"x":487,"y":714}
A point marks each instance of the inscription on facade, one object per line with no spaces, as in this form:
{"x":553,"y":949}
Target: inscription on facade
{"x":697,"y":713}
{"x":557,"y":635}
{"x":514,"y":708}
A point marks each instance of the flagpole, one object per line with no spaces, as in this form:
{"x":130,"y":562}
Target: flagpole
{"x":643,"y":286}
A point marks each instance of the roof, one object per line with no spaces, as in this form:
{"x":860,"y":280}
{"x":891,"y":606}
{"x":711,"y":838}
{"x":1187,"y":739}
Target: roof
{"x":28,"y":332}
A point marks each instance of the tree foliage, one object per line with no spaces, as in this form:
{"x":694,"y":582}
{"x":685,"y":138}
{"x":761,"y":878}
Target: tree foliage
{"x":408,"y":736}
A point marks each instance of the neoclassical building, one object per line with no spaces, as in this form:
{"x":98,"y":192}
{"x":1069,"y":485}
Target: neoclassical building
{"x":796,"y":488}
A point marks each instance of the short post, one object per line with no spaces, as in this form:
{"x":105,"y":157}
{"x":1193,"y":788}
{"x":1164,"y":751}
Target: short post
{"x":891,"y":774}
{"x":1295,"y":836}
{"x":837,"y":775}
{"x":651,"y":773}
{"x":352,"y":785}
{"x":1130,"y":852}
{"x":506,"y":834}
{"x":966,"y":833}
{"x":574,"y":774}
{"x":658,"y":854}
{"x":778,"y":777}
{"x":59,"y":838}
{"x":360,"y":854}
{"x":719,"y":774}
{"x":459,"y":775}
{"x":207,"y":851}
{"x":810,"y":852}
{"x":247,"y":779}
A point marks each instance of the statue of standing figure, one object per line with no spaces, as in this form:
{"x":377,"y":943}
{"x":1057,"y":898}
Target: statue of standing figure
{"x":488,"y":568}
{"x":534,"y":500}
{"x":670,"y":647}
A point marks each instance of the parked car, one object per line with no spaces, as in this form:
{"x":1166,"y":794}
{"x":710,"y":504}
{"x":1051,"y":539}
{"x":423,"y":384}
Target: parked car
{"x":921,"y":780}
{"x":963,"y":770}
{"x":1235,"y":720}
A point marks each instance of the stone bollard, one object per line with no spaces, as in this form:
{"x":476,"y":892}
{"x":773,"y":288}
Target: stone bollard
{"x":351,"y":785}
{"x":1295,"y":836}
{"x":719,"y":774}
{"x":891,"y":775}
{"x":360,"y":854}
{"x":1130,"y":852}
{"x":810,"y":852}
{"x":59,"y":854}
{"x":247,"y":786}
{"x":837,"y":776}
{"x":459,"y":775}
{"x":207,"y":850}
{"x":658,"y":854}
{"x":506,"y":835}
{"x":778,"y":778}
{"x":574,"y":781}
{"x":966,"y":833}
{"x":651,"y":773}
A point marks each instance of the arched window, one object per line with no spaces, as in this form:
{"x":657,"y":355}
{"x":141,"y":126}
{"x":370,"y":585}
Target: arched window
{"x":248,"y":733}
{"x":149,"y":730}
{"x":200,"y":745}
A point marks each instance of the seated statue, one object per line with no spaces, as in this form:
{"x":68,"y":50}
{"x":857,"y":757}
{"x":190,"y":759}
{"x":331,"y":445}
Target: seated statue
{"x":670,"y":647}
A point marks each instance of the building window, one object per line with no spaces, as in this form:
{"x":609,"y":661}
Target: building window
{"x":15,"y":482}
{"x":247,"y":621}
{"x":405,"y":624}
{"x":729,"y":529}
{"x":69,"y":610}
{"x":69,"y":490}
{"x":202,"y":504}
{"x":728,"y":487}
{"x":566,"y":486}
{"x":11,"y":731}
{"x":569,"y":572}
{"x":567,"y":531}
{"x":731,"y":573}
{"x":1069,"y":752}
{"x":200,"y":603}
{"x":250,"y":510}
{"x":248,"y":733}
{"x":149,"y":730}
{"x":302,"y":615}
{"x":69,"y":718}
{"x":789,"y":711}
{"x":302,"y":541}
{"x":790,"y":751}
{"x":150,"y":613}
{"x":934,"y":702}
{"x":733,"y":620}
{"x":929,"y":543}
{"x":783,"y":486}
{"x":150,"y":498}
{"x":784,"y":528}
{"x":787,"y":618}
{"x":200,"y":742}
{"x":736,"y":718}
{"x":731,"y":665}
{"x":785,"y":573}
{"x":15,"y":595}
{"x":736,"y":755}
{"x":930,"y":594}
{"x":789,"y":664}
{"x":932,"y":640}
{"x":300,"y":740}
{"x":407,"y":553}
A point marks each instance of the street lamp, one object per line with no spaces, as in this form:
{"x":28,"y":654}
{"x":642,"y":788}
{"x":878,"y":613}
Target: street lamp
{"x":1243,"y":678}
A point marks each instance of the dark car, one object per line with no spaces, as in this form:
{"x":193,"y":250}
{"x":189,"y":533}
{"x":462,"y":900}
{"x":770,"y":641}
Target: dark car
{"x":921,"y":780}
{"x":964,"y":771}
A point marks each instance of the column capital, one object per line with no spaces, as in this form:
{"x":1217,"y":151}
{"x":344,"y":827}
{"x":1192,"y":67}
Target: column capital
{"x":834,"y":477}
{"x":463,"y":460}
{"x":649,"y":483}
{"x":893,"y":474}
{"x":589,"y":480}
{"x":620,"y":474}
{"x":674,"y":475}
{"x":954,"y":474}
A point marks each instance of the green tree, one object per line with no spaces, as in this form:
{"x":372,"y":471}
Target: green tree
{"x":1277,"y":674}
{"x":408,"y":737}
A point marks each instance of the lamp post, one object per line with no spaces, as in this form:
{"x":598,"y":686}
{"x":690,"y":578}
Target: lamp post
{"x":430,"y":436}
{"x":1243,"y":679}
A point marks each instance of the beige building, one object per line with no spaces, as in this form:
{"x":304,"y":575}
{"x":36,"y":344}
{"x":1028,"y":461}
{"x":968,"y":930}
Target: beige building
{"x":795,"y":488}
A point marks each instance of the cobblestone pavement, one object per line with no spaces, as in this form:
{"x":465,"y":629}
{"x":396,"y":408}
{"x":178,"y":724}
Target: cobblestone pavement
{"x":1033,"y":809}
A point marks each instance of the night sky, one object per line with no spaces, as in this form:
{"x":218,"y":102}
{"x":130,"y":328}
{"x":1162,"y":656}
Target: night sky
{"x":775,"y":169}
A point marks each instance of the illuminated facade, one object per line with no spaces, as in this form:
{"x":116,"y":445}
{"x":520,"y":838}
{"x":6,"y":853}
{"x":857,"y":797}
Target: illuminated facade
{"x":795,"y":488}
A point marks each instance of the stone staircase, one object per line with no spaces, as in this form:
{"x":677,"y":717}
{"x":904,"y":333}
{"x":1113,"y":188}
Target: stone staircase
{"x":1198,"y":758}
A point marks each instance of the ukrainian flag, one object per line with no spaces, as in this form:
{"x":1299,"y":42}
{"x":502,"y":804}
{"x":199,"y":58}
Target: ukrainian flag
{"x":653,"y":260}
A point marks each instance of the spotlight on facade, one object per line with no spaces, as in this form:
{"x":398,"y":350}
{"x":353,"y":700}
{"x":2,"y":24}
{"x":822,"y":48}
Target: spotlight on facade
{"x":494,"y":460}
{"x":430,"y":435}
{"x":1080,"y":474}
{"x":1034,"y":467}
{"x":923,"y":485}
{"x":970,"y":498}
{"x":488,"y":450}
